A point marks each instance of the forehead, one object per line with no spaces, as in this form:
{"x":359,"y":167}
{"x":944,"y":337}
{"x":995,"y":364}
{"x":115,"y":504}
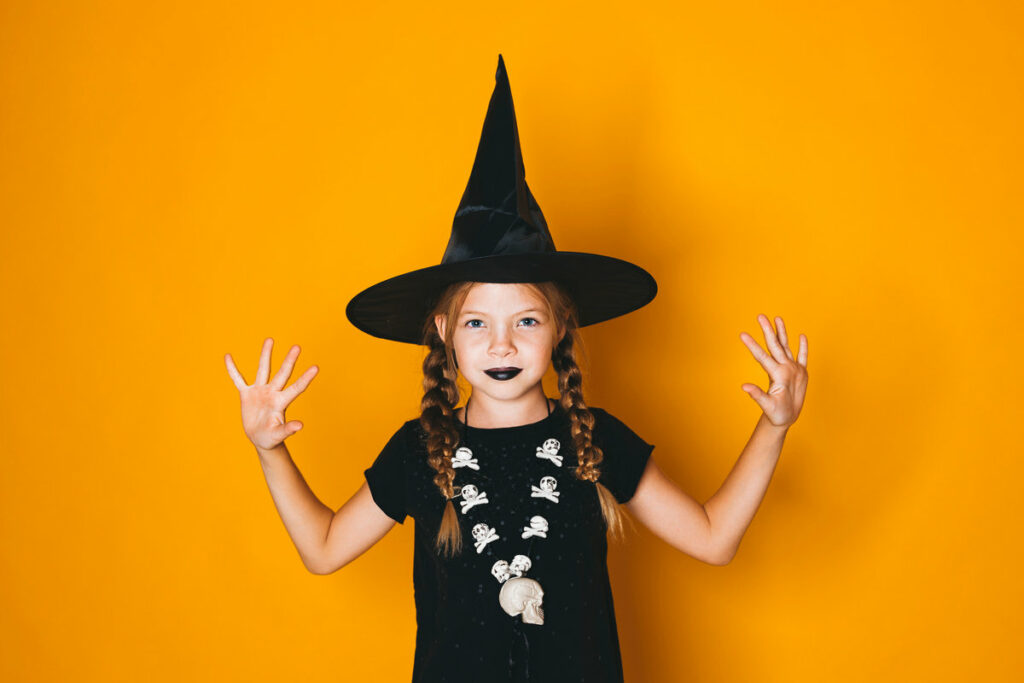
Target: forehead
{"x":499,"y":298}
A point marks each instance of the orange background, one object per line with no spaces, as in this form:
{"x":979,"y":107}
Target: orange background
{"x":182,"y":181}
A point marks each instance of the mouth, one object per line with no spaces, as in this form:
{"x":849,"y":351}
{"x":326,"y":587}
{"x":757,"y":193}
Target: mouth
{"x":503,"y":374}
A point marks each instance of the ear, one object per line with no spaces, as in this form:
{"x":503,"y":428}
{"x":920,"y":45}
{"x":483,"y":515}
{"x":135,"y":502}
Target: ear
{"x":439,"y":322}
{"x":563,"y":327}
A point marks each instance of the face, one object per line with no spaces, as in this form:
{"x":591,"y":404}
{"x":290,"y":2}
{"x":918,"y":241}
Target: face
{"x":503,"y":339}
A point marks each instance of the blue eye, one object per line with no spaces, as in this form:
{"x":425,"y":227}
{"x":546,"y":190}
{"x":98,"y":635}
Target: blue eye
{"x":469,"y":323}
{"x":533,"y":320}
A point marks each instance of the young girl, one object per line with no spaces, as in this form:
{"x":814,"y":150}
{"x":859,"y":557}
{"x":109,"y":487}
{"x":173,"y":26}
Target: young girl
{"x":513,"y":494}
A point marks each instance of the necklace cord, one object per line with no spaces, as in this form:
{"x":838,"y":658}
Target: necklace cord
{"x":519,"y":647}
{"x":465,"y":419}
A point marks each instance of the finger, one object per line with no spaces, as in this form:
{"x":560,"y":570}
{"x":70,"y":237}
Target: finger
{"x":771,"y":341}
{"x":285,"y":371}
{"x":762,"y":357}
{"x":282,"y":432}
{"x":781,"y":327}
{"x":300,"y":384}
{"x":263,"y":371}
{"x":759,"y":396}
{"x":236,"y":376}
{"x":801,"y":355}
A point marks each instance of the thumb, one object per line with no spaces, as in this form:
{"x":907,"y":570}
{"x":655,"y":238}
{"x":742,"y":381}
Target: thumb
{"x":284,"y":431}
{"x":755,"y":393}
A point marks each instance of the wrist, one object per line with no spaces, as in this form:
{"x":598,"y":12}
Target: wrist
{"x":765,"y":424}
{"x":278,"y":452}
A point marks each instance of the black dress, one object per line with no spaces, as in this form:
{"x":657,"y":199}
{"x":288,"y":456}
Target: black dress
{"x":463,"y":634}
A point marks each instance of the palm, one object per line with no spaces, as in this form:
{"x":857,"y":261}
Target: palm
{"x":787,"y":375}
{"x":264,"y":402}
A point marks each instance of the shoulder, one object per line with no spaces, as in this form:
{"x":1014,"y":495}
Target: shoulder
{"x":607,"y":425}
{"x":624,"y":454}
{"x":403,"y":440}
{"x":411,"y":434}
{"x":603,"y":415}
{"x":616,"y":439}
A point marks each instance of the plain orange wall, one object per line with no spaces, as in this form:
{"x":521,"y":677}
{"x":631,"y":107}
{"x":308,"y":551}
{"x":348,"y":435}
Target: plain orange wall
{"x":182,"y":181}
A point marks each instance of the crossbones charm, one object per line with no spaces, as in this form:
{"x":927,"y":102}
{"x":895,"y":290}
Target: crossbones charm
{"x":464,"y":458}
{"x":546,"y":489}
{"x":472,"y":497}
{"x":550,"y":451}
{"x":483,"y":535}
{"x":538,"y":527}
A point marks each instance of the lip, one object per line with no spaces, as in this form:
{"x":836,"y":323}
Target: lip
{"x":503,"y":374}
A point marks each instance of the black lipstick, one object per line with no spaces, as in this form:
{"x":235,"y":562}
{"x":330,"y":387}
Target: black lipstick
{"x":503,"y":374}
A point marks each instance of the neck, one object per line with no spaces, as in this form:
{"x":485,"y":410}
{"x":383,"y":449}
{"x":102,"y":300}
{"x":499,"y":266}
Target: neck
{"x":490,"y":413}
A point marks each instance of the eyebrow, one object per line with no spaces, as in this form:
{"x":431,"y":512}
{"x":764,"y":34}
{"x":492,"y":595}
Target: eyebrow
{"x":528,"y":310}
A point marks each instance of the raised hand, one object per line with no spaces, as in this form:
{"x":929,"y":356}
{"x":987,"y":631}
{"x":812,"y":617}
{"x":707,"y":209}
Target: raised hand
{"x":788,"y":376}
{"x":263,"y":403}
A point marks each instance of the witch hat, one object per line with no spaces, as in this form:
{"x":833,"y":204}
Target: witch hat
{"x":499,"y":235}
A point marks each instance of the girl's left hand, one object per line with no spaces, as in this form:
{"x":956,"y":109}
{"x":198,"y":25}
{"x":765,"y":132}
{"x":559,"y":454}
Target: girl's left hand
{"x":785,"y":397}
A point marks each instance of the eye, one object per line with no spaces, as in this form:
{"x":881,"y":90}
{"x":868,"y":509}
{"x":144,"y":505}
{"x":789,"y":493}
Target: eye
{"x":530,"y":322}
{"x":470,"y":323}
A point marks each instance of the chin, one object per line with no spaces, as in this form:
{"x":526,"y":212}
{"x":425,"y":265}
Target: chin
{"x":509,"y":389}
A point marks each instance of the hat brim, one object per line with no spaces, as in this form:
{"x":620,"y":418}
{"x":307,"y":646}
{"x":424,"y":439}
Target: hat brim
{"x":602,"y":287}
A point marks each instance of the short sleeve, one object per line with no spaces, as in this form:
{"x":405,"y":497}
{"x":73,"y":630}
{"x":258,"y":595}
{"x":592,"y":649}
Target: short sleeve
{"x":386,"y":476}
{"x":625,"y":455}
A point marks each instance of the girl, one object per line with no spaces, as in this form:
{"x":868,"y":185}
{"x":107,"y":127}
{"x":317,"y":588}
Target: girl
{"x":513,"y":494}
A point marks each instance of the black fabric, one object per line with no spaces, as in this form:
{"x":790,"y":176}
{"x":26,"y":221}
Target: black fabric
{"x":463,"y":634}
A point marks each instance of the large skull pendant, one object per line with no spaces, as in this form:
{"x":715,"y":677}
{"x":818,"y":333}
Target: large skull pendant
{"x":522,"y":596}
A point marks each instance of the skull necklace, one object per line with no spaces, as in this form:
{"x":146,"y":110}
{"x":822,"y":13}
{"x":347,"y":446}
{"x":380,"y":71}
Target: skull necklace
{"x":519,"y":594}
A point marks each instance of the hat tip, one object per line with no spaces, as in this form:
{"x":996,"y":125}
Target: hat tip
{"x":501,"y":68}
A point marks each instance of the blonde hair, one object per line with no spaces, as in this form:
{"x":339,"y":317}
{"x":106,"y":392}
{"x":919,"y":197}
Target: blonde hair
{"x":441,"y":395}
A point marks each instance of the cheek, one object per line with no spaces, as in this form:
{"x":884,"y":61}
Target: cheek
{"x":539,"y":345}
{"x":464,"y":344}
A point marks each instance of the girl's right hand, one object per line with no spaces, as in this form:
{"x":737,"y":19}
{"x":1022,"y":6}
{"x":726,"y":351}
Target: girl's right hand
{"x":263,"y":403}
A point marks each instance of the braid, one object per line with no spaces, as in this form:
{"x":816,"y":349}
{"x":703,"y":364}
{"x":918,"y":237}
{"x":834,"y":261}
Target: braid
{"x":570,"y":386}
{"x":588,"y":454}
{"x":437,"y":417}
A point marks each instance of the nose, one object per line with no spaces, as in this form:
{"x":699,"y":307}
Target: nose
{"x":501,"y":342}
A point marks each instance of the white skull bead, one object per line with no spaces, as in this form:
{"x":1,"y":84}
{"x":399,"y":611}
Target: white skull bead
{"x":523,"y":596}
{"x":480,"y":530}
{"x":548,"y":484}
{"x":520,"y":565}
{"x":551,"y":446}
{"x":500,"y":570}
{"x":470,"y":492}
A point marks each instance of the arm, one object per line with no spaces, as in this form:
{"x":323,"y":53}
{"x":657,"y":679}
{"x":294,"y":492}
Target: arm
{"x":712,"y":532}
{"x":732,"y":508}
{"x":326,"y":540}
{"x":672,"y":515}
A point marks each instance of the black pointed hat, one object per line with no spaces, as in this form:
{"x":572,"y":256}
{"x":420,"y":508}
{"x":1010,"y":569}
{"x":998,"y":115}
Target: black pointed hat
{"x":499,"y":235}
